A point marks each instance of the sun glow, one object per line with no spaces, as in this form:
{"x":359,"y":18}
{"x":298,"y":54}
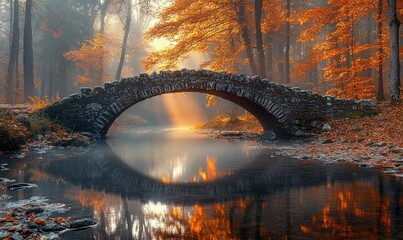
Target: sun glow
{"x":183,"y":110}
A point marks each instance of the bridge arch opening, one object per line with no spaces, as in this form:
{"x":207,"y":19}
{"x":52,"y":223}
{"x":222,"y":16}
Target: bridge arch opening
{"x":166,"y":105}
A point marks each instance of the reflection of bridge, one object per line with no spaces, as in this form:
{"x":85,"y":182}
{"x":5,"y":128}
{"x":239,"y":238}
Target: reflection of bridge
{"x":101,"y":169}
{"x":281,"y":109}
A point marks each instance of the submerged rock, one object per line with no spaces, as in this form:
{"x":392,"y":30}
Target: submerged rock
{"x":6,"y":180}
{"x":34,"y":210}
{"x":52,"y":227}
{"x":20,"y":186}
{"x":268,"y":135}
{"x":83,"y":223}
{"x":4,"y":235}
{"x":17,"y":236}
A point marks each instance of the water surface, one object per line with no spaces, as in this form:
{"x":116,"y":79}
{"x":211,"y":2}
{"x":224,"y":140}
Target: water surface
{"x":170,"y":183}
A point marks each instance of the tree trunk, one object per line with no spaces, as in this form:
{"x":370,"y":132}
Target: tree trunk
{"x":29,"y":88}
{"x":259,"y":39}
{"x":240,"y":10}
{"x":287,"y":44}
{"x":13,"y":61}
{"x":104,"y":8}
{"x":124,"y":44}
{"x":43,"y":78}
{"x":280,"y":62}
{"x":269,"y":58}
{"x":62,"y":78}
{"x":51,"y":85}
{"x":394,"y":53}
{"x":101,"y":31}
{"x":10,"y":39}
{"x":17,"y":74}
{"x":379,"y":91}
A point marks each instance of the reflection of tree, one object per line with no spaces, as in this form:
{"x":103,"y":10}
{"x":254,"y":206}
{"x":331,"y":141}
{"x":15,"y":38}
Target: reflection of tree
{"x":203,"y":222}
{"x":211,"y":169}
{"x":118,"y":217}
{"x":348,"y":213}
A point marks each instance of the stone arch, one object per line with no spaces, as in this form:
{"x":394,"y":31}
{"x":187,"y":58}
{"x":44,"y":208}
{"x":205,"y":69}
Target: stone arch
{"x":277,"y":107}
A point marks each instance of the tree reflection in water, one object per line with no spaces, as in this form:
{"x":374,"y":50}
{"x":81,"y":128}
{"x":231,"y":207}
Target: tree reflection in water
{"x":273,"y":198}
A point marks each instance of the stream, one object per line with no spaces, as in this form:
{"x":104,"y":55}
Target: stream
{"x":171,"y":183}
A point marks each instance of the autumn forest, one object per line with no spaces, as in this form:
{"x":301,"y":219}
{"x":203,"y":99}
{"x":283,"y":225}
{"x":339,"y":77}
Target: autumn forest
{"x":341,"y":48}
{"x":201,"y":119}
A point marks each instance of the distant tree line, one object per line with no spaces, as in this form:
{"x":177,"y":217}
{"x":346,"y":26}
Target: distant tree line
{"x":65,"y":44}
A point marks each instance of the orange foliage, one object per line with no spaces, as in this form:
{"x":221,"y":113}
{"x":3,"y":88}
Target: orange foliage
{"x":385,"y":127}
{"x":345,"y":58}
{"x":8,"y":218}
{"x":40,"y":103}
{"x":211,"y":101}
{"x":90,"y":58}
{"x":193,"y":26}
{"x":208,"y":27}
{"x":40,"y":222}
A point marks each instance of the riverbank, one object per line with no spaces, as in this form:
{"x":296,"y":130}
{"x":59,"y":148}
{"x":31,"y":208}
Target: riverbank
{"x":371,"y":141}
{"x":368,"y":141}
{"x":20,"y":127}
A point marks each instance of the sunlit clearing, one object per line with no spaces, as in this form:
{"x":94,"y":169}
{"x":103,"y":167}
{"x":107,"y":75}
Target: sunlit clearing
{"x":183,"y":110}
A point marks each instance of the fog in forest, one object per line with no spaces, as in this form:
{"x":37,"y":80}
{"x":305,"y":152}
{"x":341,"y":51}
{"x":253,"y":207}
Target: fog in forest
{"x":52,"y":48}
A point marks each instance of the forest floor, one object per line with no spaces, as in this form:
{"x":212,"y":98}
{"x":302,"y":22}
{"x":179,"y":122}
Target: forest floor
{"x":370,"y":141}
{"x":373,"y":141}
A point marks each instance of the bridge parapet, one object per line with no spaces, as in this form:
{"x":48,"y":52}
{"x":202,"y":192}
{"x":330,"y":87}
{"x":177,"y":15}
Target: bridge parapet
{"x":278,"y":108}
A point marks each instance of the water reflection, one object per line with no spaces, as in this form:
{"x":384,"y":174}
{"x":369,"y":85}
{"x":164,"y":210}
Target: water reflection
{"x":177,"y":154}
{"x":268,"y":197}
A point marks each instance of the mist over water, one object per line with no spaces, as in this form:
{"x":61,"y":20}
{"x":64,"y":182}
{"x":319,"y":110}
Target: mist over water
{"x":175,"y":109}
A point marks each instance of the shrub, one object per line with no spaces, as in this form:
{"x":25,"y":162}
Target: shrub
{"x":11,"y":137}
{"x":39,"y":124}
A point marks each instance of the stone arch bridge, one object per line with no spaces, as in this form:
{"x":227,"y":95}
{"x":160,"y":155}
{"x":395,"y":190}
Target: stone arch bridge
{"x":286,"y":111}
